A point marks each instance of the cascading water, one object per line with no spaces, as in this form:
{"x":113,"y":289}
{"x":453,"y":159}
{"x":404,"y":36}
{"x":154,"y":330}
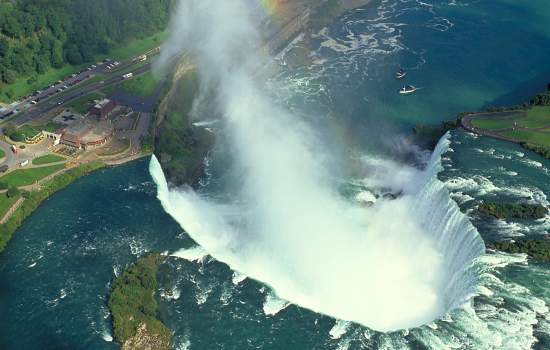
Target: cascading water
{"x":398,"y":264}
{"x":456,"y":241}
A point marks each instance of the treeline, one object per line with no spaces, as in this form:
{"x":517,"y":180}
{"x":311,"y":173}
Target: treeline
{"x":513,"y":210}
{"x":37,"y":35}
{"x":542,"y":99}
{"x":538,"y":249}
{"x":543,"y":151}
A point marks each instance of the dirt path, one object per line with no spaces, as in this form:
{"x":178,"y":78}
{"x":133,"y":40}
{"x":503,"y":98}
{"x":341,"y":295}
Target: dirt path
{"x":12,"y":210}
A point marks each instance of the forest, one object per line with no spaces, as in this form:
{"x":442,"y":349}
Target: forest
{"x":38,"y":35}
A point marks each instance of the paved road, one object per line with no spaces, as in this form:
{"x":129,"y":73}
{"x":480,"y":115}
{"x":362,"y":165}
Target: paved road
{"x":73,"y":82}
{"x":10,"y":159}
{"x":73,"y":94}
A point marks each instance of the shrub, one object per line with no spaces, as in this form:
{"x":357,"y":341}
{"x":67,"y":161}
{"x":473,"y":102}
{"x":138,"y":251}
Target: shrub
{"x":13,"y":192}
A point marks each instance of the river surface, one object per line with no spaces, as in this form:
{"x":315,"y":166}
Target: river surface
{"x":466,"y":55}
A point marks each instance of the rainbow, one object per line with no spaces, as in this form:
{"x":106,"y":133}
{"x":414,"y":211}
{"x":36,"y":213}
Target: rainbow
{"x":272,"y":7}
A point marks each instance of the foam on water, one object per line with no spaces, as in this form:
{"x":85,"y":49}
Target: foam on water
{"x":451,"y":232}
{"x":273,"y":304}
{"x":339,"y":329}
{"x":191,"y":254}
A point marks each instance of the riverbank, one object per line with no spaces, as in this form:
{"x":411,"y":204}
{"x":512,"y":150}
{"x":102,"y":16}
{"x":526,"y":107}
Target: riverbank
{"x":32,"y":199}
{"x":527,"y":125}
{"x":32,"y":196}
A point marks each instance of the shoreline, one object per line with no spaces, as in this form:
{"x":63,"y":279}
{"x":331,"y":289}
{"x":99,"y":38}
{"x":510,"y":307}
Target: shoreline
{"x":30,"y":201}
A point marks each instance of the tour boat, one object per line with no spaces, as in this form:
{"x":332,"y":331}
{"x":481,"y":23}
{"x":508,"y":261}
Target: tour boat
{"x":408,"y":89}
{"x":400,"y":74}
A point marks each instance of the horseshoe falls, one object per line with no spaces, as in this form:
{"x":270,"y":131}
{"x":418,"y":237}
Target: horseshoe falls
{"x":400,"y":263}
{"x":317,"y":224}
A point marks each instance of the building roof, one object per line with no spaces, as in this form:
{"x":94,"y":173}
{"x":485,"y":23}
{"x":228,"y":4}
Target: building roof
{"x":103,"y":103}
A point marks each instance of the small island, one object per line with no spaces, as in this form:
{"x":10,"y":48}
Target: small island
{"x":521,"y":211}
{"x":134,"y":308}
{"x":537,"y":249}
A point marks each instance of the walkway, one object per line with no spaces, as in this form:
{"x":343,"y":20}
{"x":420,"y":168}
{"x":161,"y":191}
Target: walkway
{"x":466,"y":123}
{"x":12,"y":210}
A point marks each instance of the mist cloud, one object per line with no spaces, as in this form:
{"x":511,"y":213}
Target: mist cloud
{"x":386,"y":266}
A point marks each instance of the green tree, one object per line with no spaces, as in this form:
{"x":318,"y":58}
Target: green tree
{"x":9,"y":76}
{"x":13,"y":192}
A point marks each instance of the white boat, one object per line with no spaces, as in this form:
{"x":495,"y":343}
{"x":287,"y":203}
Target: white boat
{"x":401,"y":73}
{"x":408,"y":89}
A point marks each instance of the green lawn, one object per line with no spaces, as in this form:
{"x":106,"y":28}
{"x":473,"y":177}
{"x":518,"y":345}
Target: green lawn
{"x":25,"y":177}
{"x":6,"y":203}
{"x":492,"y":124}
{"x":51,"y":126}
{"x":537,"y":117}
{"x":142,"y":86}
{"x":83,"y":104}
{"x":2,"y":154}
{"x":25,"y":131}
{"x":47,"y":159}
{"x":137,"y":47}
{"x":540,"y":138}
{"x":22,"y":87}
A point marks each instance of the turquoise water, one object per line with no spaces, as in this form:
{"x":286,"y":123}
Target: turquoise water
{"x":55,"y":275}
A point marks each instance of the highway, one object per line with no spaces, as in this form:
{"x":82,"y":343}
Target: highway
{"x":73,"y":94}
{"x":76,"y":86}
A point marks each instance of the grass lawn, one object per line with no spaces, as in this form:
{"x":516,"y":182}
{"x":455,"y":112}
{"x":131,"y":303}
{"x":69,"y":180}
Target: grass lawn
{"x":83,"y":104}
{"x":51,"y":126}
{"x":142,"y":86}
{"x":537,"y":117}
{"x":2,"y":154}
{"x":6,"y":203}
{"x":24,"y":131}
{"x":492,"y":124}
{"x":540,"y":138}
{"x":47,"y":159}
{"x":25,"y":177}
{"x":137,"y":47}
{"x":22,"y":87}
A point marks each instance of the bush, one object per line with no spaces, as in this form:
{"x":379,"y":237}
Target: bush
{"x":513,"y":211}
{"x":13,"y":192}
{"x":3,"y":186}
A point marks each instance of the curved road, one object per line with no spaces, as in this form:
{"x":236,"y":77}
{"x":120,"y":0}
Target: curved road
{"x":10,"y":159}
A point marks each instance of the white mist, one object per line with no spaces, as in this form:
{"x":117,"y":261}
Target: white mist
{"x":398,"y":264}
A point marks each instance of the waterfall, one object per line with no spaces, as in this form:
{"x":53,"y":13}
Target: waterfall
{"x":373,"y":272}
{"x":455,"y":235}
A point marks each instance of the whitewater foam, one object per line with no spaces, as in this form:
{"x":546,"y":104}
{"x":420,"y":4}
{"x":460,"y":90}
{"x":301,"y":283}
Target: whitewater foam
{"x":289,"y":227}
